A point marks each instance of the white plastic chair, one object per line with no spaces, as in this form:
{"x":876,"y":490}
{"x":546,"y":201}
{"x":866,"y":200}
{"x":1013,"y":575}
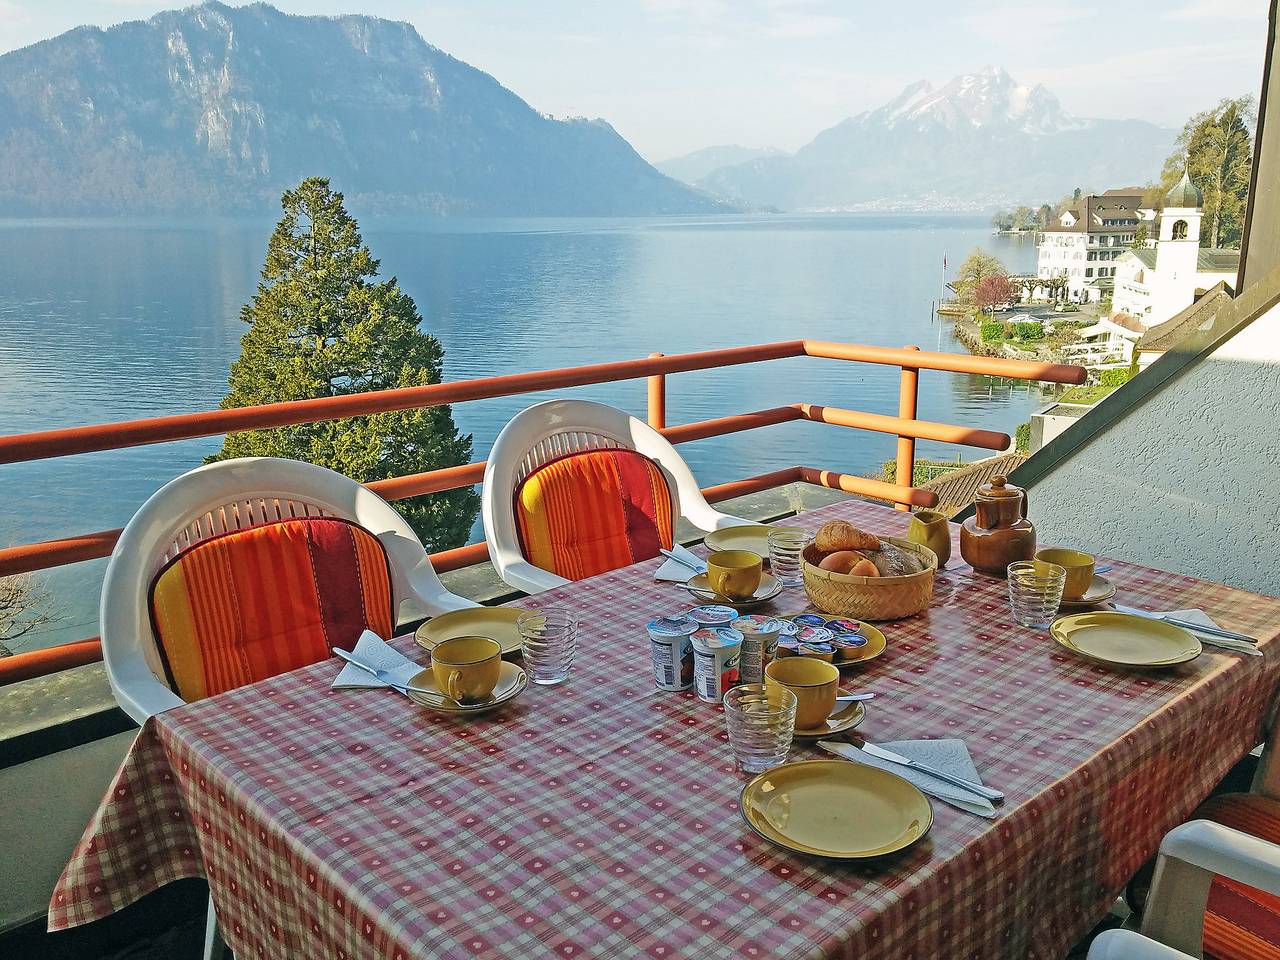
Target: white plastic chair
{"x":1191,"y":855}
{"x":553,"y":429}
{"x":231,"y":495}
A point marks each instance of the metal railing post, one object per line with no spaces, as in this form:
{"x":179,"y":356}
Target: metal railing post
{"x":657,"y":397}
{"x":908,"y":390}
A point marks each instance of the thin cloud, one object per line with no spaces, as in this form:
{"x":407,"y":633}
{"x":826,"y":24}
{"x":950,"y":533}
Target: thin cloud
{"x":1219,"y":10}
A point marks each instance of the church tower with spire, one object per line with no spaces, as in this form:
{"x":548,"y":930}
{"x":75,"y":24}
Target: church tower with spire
{"x":1178,"y":247}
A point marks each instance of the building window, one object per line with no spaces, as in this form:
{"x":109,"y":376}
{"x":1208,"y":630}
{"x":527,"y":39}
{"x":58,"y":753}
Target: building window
{"x":1180,"y":230}
{"x":1088,"y":271}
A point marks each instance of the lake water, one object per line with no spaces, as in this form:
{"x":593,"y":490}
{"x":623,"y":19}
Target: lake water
{"x":109,"y":321}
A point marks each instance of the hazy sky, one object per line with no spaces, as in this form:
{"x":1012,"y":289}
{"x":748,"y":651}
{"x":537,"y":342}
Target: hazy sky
{"x":676,"y":75}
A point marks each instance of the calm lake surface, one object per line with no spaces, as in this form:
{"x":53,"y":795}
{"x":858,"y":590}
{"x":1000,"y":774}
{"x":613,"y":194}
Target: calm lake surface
{"x":109,"y":321}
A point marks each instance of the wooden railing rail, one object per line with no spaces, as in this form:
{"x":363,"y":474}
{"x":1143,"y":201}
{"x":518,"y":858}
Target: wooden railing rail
{"x":906,"y":427}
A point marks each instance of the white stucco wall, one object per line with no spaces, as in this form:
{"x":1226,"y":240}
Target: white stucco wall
{"x":1189,"y":481}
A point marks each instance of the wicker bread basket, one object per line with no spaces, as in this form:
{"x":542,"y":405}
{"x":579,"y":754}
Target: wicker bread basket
{"x":871,"y":598}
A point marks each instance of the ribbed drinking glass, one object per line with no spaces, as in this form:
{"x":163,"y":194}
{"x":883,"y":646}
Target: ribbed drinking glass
{"x":1035,"y":591}
{"x":548,"y":639}
{"x":761,"y":720}
{"x":785,"y":563}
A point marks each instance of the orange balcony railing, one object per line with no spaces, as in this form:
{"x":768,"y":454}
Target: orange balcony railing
{"x":905,"y":426}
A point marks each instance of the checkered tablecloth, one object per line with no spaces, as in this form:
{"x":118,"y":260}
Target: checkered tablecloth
{"x":600,"y":818}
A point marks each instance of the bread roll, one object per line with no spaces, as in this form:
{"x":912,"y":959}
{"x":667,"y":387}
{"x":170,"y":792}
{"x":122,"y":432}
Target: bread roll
{"x":864,"y":568}
{"x":893,"y":561}
{"x":842,"y":535}
{"x":842,"y":561}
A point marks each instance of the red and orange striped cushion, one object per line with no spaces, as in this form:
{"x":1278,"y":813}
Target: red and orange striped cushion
{"x":1242,"y":922}
{"x":590,"y":512}
{"x":267,"y":599}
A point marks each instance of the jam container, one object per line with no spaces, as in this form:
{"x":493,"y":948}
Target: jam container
{"x":672,"y":651}
{"x":717,"y":652}
{"x":809,"y":620}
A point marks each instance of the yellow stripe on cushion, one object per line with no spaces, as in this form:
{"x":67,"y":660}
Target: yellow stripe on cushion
{"x":171,"y":605}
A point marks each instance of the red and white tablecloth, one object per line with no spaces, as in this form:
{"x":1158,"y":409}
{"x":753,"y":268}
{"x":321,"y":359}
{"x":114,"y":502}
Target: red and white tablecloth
{"x":600,"y":818}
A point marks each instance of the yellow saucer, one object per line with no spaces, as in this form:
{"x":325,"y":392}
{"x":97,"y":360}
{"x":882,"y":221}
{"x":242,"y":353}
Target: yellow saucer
{"x":1123,"y":640}
{"x":750,"y":536}
{"x":1101,"y":589}
{"x":835,"y":808}
{"x":876,"y":644}
{"x":512,"y":682}
{"x":848,"y":718}
{"x":496,"y":622}
{"x":768,"y":589}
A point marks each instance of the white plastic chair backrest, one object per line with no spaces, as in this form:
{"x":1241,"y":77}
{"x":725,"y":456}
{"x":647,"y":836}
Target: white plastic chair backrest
{"x":557,"y":428}
{"x":222,"y":497}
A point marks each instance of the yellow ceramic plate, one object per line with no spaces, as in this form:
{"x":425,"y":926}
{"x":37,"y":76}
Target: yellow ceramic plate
{"x":511,"y":683}
{"x":835,"y":808}
{"x":848,"y":718}
{"x":750,"y":536}
{"x":496,"y":622}
{"x":1101,"y":589}
{"x":876,"y":644}
{"x":1123,"y":640}
{"x":768,"y":589}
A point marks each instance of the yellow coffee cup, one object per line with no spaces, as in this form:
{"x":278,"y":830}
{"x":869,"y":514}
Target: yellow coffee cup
{"x":467,"y":668}
{"x":735,"y":573}
{"x":815,"y":684}
{"x":1079,"y":567}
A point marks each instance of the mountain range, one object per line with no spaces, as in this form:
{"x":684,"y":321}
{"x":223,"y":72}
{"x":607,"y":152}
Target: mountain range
{"x":692,"y":167}
{"x":219,"y":109}
{"x":982,"y":139}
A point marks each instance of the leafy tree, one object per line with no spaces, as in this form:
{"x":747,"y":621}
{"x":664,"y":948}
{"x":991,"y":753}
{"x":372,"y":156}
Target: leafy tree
{"x":1024,"y":218}
{"x":1139,"y":237}
{"x":319,"y":326}
{"x":1044,"y":215}
{"x":1002,"y":220}
{"x":1216,"y":148}
{"x":1076,"y":194}
{"x":977,"y":265}
{"x":992,"y":289}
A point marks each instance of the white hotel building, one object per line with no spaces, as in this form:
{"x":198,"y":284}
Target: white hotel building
{"x":1087,"y":240}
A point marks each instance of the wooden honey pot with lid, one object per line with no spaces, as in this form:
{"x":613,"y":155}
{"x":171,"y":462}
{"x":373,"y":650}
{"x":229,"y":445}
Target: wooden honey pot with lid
{"x":999,"y":532}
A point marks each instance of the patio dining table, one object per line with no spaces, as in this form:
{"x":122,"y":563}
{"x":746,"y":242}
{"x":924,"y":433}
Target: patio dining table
{"x":600,"y":818}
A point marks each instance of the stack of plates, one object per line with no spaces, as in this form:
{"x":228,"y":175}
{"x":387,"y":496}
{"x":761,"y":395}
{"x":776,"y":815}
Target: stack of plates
{"x":1123,"y":640}
{"x":1100,"y":590}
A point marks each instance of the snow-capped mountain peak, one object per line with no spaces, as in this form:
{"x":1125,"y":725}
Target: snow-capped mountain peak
{"x":987,"y":98}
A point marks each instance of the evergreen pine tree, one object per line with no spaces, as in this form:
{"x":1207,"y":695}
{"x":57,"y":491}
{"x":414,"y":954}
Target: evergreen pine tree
{"x":320,"y":326}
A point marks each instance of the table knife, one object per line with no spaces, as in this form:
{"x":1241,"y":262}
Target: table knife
{"x":1213,"y":631}
{"x":995,"y":796}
